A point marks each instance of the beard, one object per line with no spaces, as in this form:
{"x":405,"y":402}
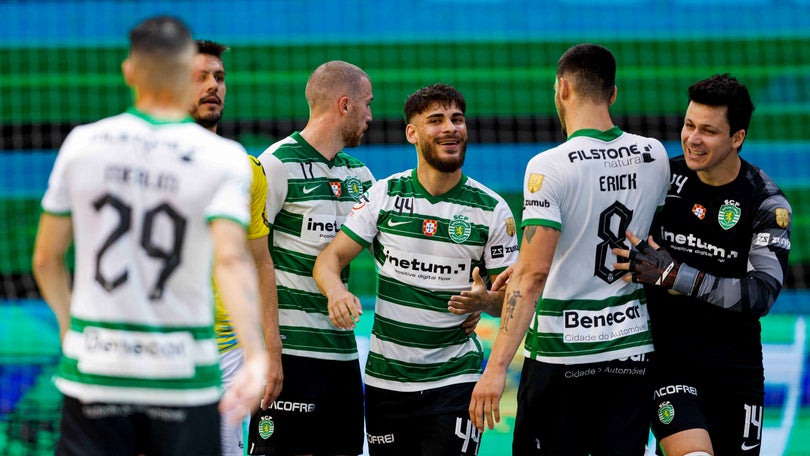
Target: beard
{"x":207,"y":120}
{"x":445,"y":165}
{"x":351,"y":137}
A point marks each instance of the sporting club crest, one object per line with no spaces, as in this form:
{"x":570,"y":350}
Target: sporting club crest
{"x":729,"y":214}
{"x":354,"y":187}
{"x":666,"y":412}
{"x":459,"y":229}
{"x":266,"y":427}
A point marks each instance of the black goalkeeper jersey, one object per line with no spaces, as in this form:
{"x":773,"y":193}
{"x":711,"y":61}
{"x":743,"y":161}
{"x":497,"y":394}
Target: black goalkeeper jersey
{"x":739,"y":234}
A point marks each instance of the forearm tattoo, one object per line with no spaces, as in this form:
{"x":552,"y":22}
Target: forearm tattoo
{"x":509,"y":312}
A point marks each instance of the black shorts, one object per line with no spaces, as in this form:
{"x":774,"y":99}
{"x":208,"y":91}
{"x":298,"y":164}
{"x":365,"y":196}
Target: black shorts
{"x":581,"y":409}
{"x":730,"y":411}
{"x":434,"y":422}
{"x":319,"y":411}
{"x":102,"y":429}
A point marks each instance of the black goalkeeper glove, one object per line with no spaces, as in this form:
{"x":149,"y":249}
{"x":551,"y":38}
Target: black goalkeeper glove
{"x":657,"y":267}
{"x":653,"y":267}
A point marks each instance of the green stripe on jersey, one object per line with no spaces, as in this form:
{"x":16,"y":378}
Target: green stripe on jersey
{"x":287,"y":222}
{"x":419,"y":336}
{"x":205,"y":376}
{"x":404,"y":372}
{"x":293,"y":262}
{"x":394,"y":291}
{"x":552,"y":345}
{"x":294,"y":299}
{"x":198,"y":332}
{"x":413,"y":228}
{"x":318,"y":340}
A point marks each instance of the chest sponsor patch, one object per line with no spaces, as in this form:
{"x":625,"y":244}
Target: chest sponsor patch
{"x":123,"y":353}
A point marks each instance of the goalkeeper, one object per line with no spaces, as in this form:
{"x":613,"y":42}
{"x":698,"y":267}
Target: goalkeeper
{"x":724,"y":237}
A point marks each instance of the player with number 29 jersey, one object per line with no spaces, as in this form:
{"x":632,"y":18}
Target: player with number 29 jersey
{"x":587,"y":314}
{"x":144,"y":250}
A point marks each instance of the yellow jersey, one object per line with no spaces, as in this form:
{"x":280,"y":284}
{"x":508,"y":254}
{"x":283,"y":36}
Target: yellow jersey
{"x":226,"y":338}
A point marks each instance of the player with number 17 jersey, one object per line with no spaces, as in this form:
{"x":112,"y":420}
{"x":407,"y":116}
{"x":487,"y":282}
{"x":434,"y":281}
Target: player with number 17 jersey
{"x":587,"y":314}
{"x":141,"y":193}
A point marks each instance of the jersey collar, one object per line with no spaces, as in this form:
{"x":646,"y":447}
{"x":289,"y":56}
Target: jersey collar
{"x":607,"y":135}
{"x":135,"y":112}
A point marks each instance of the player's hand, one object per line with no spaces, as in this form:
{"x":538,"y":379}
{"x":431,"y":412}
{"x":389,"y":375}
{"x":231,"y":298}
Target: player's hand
{"x":649,"y":263}
{"x":475,"y":299}
{"x":239,"y":400}
{"x":344,"y":308}
{"x":502,"y":278}
{"x":275,"y":379}
{"x":471,"y":322}
{"x":485,"y":406}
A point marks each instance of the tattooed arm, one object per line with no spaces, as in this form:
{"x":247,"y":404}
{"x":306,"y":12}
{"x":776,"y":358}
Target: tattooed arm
{"x":523,"y":290}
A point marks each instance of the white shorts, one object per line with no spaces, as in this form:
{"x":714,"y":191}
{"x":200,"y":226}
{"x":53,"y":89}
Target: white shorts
{"x":233,"y":441}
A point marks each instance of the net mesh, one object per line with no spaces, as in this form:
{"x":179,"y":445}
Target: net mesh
{"x":60,"y":67}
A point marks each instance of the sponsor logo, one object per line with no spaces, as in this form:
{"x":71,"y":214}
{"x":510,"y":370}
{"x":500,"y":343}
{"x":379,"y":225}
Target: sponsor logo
{"x":361,"y":202}
{"x":392,"y":223}
{"x":266,"y":427}
{"x":666,"y":412}
{"x":331,"y":226}
{"x":699,"y":211}
{"x":308,"y":190}
{"x":459,"y":229}
{"x":409,"y":266}
{"x":288,"y":406}
{"x":782,"y":217}
{"x":762,"y":239}
{"x":354,"y":187}
{"x":747,"y":447}
{"x":544,"y":203}
{"x":510,"y":226}
{"x":729,"y":214}
{"x":429,"y":227}
{"x":575,"y":319}
{"x":380,"y":439}
{"x":535,"y":182}
{"x":674,"y":389}
{"x":337,"y":189}
{"x":693,"y":244}
{"x":496,"y":251}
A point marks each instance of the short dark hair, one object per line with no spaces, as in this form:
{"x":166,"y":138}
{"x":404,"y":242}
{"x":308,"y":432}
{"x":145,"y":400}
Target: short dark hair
{"x":592,"y":68}
{"x":211,"y":48}
{"x":164,"y":35}
{"x":725,"y":90}
{"x":422,"y":99}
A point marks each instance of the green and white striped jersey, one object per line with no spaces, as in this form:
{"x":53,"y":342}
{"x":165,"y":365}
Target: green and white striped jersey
{"x":593,"y":188}
{"x":141,"y":194}
{"x":425,"y":248}
{"x":307,"y":201}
